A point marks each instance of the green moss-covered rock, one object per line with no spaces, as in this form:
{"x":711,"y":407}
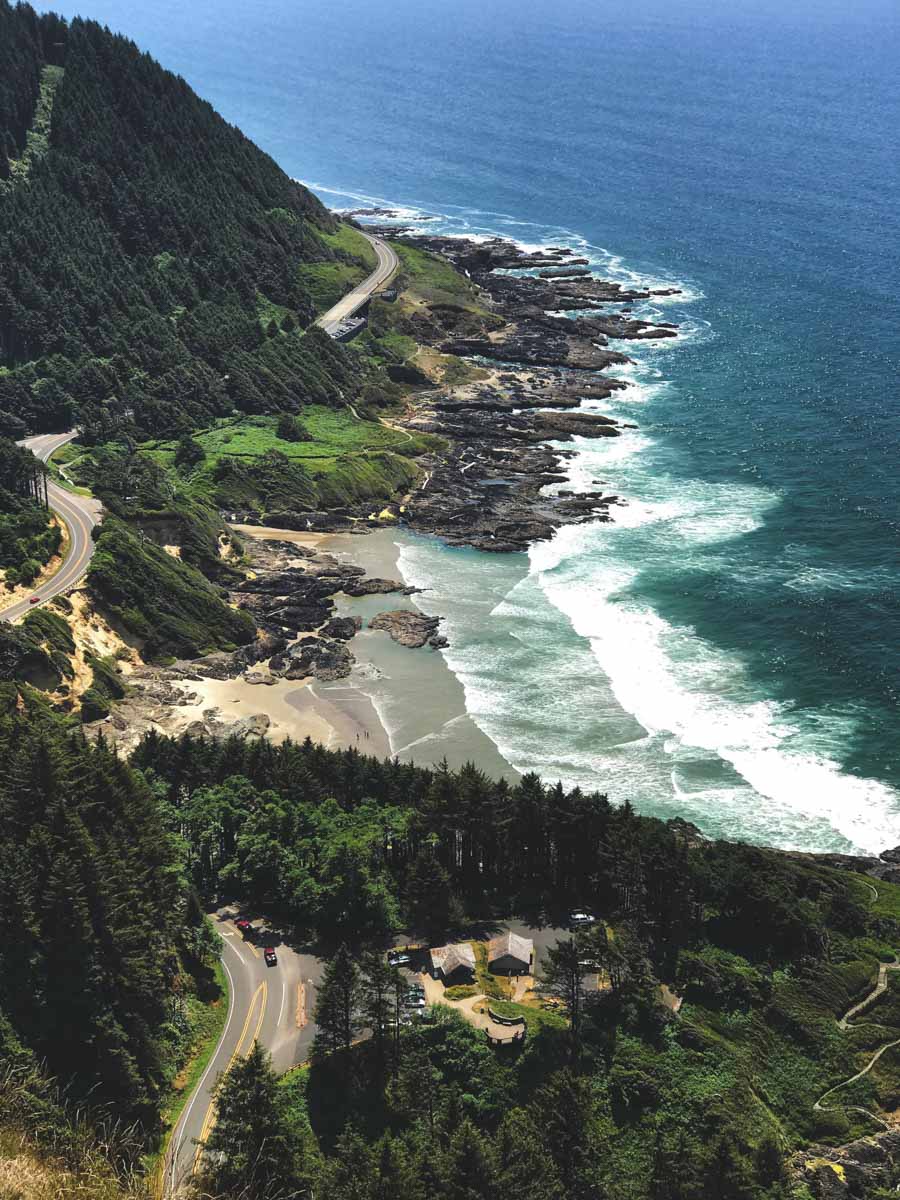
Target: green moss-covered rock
{"x":93,"y":706}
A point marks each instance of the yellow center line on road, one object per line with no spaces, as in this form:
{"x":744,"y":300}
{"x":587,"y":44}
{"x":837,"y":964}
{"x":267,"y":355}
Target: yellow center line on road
{"x":209,"y":1120}
{"x":262,"y":1013}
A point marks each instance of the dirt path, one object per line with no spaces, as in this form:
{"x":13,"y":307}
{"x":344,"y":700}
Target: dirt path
{"x":820,"y":1107}
{"x":879,"y":988}
{"x":844,"y":1024}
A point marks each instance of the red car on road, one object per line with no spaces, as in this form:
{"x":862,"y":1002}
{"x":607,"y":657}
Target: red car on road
{"x":35,"y":600}
{"x":244,"y":926}
{"x":270,"y":956}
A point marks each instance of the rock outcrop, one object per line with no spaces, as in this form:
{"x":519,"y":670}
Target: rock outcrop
{"x":861,"y":1168}
{"x":538,"y":366}
{"x":409,"y":627}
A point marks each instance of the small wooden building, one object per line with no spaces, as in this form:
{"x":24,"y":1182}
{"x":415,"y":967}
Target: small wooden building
{"x":454,"y":963}
{"x":510,"y":954}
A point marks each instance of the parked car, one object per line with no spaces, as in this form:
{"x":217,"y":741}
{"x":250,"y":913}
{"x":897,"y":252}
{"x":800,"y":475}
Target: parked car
{"x":244,"y":926}
{"x":582,"y":918}
{"x":270,"y":956}
{"x":399,"y":958}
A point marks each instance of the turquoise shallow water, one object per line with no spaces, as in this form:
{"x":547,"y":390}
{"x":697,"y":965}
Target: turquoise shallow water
{"x":729,"y":649}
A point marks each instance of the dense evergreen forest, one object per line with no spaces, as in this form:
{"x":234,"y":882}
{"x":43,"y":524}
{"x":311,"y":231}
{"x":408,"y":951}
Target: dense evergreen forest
{"x":27,"y":539}
{"x":105,"y":867}
{"x":623,"y":1099}
{"x":138,"y":281}
{"x":101,"y":934}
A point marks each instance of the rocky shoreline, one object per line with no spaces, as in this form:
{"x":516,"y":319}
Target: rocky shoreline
{"x":290,"y":591}
{"x":531,"y":369}
{"x":495,"y":487}
{"x":492,"y":489}
{"x":531,"y":382}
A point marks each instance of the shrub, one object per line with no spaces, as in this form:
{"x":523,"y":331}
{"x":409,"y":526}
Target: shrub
{"x":462,"y":991}
{"x":93,"y":706}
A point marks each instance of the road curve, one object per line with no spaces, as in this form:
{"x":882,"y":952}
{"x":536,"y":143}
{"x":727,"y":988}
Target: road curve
{"x":80,"y":514}
{"x":388,"y":265}
{"x":272,"y":1005}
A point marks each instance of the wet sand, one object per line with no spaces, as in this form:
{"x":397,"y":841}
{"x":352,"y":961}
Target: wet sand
{"x":408,"y":702}
{"x":421,"y":703}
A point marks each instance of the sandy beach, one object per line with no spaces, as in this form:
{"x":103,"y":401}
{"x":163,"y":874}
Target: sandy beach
{"x":295,"y":710}
{"x":397,"y":701}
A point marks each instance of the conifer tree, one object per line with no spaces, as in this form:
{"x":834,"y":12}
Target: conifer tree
{"x":250,"y":1153}
{"x":338,"y":1005}
{"x":525,"y":1167}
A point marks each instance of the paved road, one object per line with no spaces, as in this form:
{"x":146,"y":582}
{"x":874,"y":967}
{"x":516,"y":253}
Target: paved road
{"x":388,"y":264}
{"x":273,"y":1005}
{"x":80,"y":514}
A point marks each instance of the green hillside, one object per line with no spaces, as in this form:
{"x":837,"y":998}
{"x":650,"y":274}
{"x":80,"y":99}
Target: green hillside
{"x":143,"y":289}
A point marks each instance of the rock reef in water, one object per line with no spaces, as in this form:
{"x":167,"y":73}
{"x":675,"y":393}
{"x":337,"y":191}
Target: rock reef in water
{"x":491,"y":489}
{"x":408,"y":627}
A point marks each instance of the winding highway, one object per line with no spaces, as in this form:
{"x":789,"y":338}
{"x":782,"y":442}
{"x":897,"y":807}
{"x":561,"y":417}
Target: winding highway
{"x":269,"y":1004}
{"x":80,"y":514}
{"x":387,"y":266}
{"x":272,"y":1005}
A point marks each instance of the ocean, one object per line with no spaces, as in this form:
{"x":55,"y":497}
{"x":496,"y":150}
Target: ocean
{"x":728,"y":649}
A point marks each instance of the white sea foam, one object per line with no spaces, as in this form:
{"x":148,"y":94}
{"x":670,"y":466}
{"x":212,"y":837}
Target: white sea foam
{"x":695,"y":696}
{"x":672,"y":721}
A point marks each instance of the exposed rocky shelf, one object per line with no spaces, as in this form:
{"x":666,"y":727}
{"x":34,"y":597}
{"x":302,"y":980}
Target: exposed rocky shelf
{"x":542,"y":375}
{"x":542,"y":378}
{"x":410,"y":628}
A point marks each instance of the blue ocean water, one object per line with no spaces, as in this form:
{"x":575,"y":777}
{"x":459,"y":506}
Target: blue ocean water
{"x":729,"y":649}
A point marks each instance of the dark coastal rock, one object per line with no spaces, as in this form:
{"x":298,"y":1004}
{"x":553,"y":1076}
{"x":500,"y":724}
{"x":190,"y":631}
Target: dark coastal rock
{"x":256,"y":725}
{"x":564,"y":272}
{"x":211,"y":724}
{"x":538,"y":366}
{"x":488,"y":491}
{"x":372,"y":587}
{"x":319,"y":658}
{"x":563,"y":425}
{"x":315,"y":522}
{"x":266,"y":644}
{"x":299,"y":618}
{"x":408,"y":627}
{"x":613,"y":325}
{"x":342,"y":629}
{"x":257,"y":677}
{"x":299,"y":599}
{"x":538,"y":349}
